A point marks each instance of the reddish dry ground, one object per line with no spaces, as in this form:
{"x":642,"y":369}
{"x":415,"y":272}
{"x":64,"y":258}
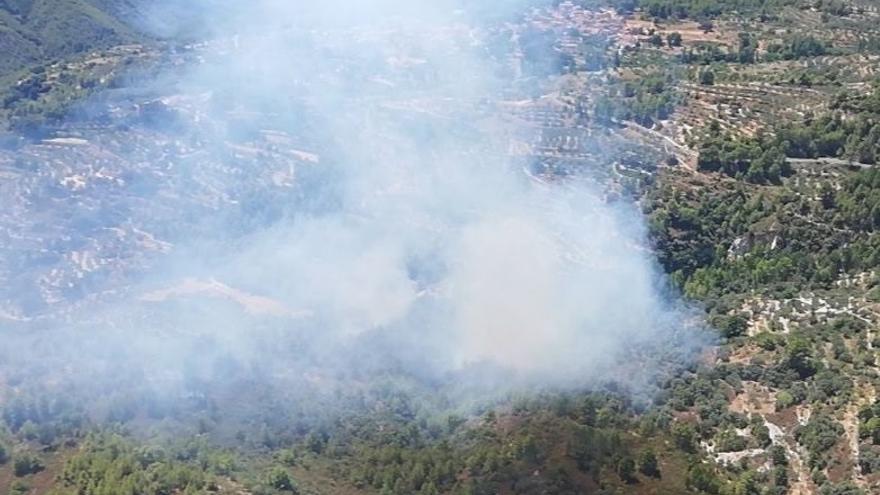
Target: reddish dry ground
{"x":801,"y":482}
{"x":743,"y":355}
{"x":41,"y":482}
{"x":754,"y":399}
{"x":786,"y":418}
{"x":840,"y":467}
{"x":686,"y":416}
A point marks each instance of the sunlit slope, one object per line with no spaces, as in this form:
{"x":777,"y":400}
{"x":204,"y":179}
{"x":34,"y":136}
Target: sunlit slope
{"x":33,"y":32}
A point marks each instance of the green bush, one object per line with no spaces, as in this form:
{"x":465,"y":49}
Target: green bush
{"x":26,"y":463}
{"x":278,"y":478}
{"x":648,"y":464}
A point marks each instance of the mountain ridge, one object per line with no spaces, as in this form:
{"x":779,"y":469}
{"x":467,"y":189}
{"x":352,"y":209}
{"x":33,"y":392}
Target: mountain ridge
{"x":36,"y":31}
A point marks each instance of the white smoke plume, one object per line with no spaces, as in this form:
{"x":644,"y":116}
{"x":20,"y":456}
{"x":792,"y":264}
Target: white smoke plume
{"x":410,"y":231}
{"x":429,"y":213}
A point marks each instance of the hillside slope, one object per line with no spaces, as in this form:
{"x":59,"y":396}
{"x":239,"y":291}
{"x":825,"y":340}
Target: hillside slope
{"x":36,"y":31}
{"x":748,"y":132}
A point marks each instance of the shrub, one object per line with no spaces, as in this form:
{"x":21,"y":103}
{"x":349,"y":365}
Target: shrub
{"x":26,"y":463}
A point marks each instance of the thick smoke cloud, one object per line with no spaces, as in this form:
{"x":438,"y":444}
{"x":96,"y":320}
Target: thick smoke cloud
{"x":427,"y":214}
{"x":411,"y":234}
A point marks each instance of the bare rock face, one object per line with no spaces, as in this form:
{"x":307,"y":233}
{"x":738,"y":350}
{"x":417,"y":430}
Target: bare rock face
{"x":744,"y":244}
{"x":740,"y":246}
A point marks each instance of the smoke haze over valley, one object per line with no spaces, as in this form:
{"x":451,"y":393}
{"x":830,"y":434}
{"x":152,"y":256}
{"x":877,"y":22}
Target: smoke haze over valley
{"x":458,"y":247}
{"x":333,"y":175}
